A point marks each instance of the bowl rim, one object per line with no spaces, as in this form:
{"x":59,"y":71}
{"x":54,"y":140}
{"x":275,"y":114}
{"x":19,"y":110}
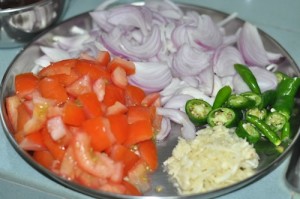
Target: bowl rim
{"x":26,"y":7}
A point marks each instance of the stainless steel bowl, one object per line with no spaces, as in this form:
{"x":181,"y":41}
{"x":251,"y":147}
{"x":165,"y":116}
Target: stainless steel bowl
{"x":21,"y":22}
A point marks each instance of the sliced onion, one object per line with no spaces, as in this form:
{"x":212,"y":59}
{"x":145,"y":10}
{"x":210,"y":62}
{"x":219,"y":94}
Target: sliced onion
{"x":206,"y":78}
{"x":164,"y":129}
{"x":55,"y":54}
{"x":195,"y":93}
{"x":178,"y":102}
{"x":266,"y":80}
{"x":188,"y":129}
{"x":152,"y":77}
{"x":224,"y":59}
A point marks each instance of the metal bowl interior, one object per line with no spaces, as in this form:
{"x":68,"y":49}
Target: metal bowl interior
{"x":25,"y":62}
{"x":19,"y":25}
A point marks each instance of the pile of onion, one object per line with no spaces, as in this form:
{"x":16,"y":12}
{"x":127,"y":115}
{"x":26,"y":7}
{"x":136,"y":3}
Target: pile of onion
{"x":182,"y":55}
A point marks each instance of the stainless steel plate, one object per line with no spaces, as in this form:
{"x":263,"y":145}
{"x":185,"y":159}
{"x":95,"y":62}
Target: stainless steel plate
{"x":25,"y":62}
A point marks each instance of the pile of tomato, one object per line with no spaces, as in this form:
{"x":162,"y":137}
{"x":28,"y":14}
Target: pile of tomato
{"x":81,"y":119}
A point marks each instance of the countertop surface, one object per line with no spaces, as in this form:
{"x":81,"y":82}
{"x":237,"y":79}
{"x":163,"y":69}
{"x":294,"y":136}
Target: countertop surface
{"x":280,"y":19}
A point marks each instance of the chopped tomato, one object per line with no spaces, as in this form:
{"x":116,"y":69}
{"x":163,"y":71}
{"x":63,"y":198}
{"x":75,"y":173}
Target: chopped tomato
{"x":73,"y":114}
{"x":131,"y":189}
{"x":54,"y":148}
{"x":68,"y":164}
{"x":95,"y":163}
{"x":139,"y":131}
{"x":92,"y":69}
{"x":116,"y":108}
{"x":148,"y":152}
{"x":128,"y":66}
{"x":113,"y":94}
{"x":120,"y":153}
{"x":119,"y":77}
{"x":52,"y":89}
{"x":25,"y":84}
{"x":56,"y":128}
{"x":23,"y":117}
{"x":152,"y":99}
{"x":99,"y":88}
{"x":119,"y":127}
{"x":45,"y":158}
{"x":134,"y":95}
{"x":103,"y":58}
{"x":91,"y":105}
{"x":138,"y":176}
{"x":65,"y":79}
{"x":137,"y":113}
{"x":60,"y":67}
{"x":12,"y":104}
{"x":33,"y":142}
{"x":80,"y":86}
{"x":97,"y":129}
{"x":113,"y":188}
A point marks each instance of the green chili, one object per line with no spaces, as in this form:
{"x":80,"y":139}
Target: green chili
{"x":248,"y":131}
{"x":268,"y":98}
{"x":286,"y":132}
{"x":284,"y":105}
{"x":267,"y":148}
{"x":288,"y":86}
{"x":253,"y":96}
{"x":240,"y":102}
{"x":276,"y":120}
{"x":280,"y":76}
{"x":197,"y":110}
{"x":222,"y":96}
{"x":260,"y":113}
{"x":224,"y":116}
{"x":264,"y":129}
{"x":248,"y":77}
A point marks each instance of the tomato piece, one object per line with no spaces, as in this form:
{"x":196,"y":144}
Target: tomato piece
{"x":138,"y":176}
{"x":56,"y":128}
{"x":65,"y":79}
{"x":112,"y":187}
{"x":73,"y":114}
{"x":25,"y":84}
{"x":119,"y":127}
{"x":128,"y":66}
{"x":103,"y":58}
{"x":92,"y":69}
{"x":139,"y":131}
{"x":100,"y":133}
{"x":99,"y":88}
{"x":54,"y":148}
{"x":60,"y":67}
{"x":131,"y":189}
{"x":134,"y":95}
{"x":44,"y":158}
{"x":113,"y":94}
{"x":11,"y":104}
{"x":116,"y":108}
{"x":120,"y":153}
{"x":138,"y":113}
{"x":23,"y":117}
{"x":152,"y":99}
{"x":148,"y":152}
{"x":119,"y":77}
{"x":95,"y":163}
{"x":33,"y":142}
{"x":52,"y":89}
{"x":80,"y":86}
{"x":91,"y":106}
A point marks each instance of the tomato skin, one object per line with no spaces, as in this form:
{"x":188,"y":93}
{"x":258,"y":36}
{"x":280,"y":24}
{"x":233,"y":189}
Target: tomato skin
{"x":123,"y":154}
{"x":131,"y":189}
{"x":134,"y":95}
{"x":113,"y":94}
{"x":73,"y":114}
{"x":91,"y":105}
{"x":23,"y":117}
{"x":25,"y":84}
{"x":103,"y":58}
{"x":98,"y":132}
{"x":32,"y":142}
{"x":138,"y":113}
{"x":52,"y":89}
{"x":139,"y":131}
{"x":119,"y":127}
{"x":54,"y":148}
{"x":45,"y":158}
{"x":148,"y":152}
{"x":11,"y":104}
{"x":91,"y":68}
{"x":60,"y":67}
